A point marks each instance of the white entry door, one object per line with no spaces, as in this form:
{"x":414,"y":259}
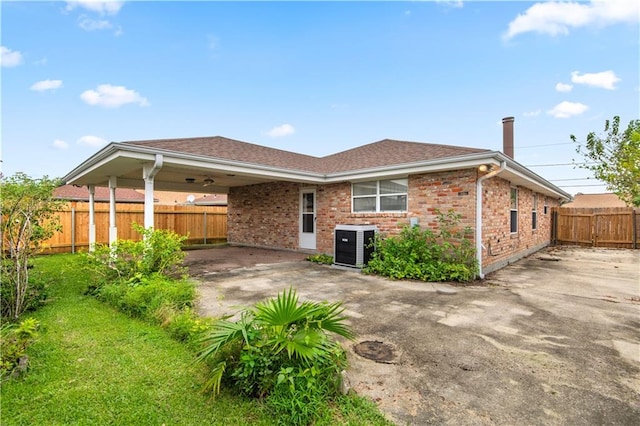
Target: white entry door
{"x":308,"y":219}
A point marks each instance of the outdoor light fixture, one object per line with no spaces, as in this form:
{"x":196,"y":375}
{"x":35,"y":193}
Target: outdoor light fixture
{"x":483,"y":168}
{"x":189,"y":180}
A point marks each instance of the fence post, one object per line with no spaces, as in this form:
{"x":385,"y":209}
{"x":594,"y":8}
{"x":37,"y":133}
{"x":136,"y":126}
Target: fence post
{"x":554,"y":227}
{"x":73,"y":229}
{"x":205,"y":227}
{"x":634,"y":229}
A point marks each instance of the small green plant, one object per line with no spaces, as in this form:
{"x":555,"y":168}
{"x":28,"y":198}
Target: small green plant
{"x":323,"y":259}
{"x":446,"y":254}
{"x":14,"y":340}
{"x":184,"y":325}
{"x":280,"y":349}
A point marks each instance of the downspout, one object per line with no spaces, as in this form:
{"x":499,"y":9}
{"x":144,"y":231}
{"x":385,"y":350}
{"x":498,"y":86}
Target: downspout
{"x":479,"y":245}
{"x":148,"y":174}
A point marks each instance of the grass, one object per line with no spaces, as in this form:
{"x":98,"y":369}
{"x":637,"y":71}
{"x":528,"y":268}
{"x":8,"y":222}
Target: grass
{"x":94,"y":365}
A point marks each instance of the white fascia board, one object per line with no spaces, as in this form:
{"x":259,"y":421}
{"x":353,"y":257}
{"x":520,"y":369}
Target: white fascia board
{"x":103,"y":157}
{"x":540,"y":185}
{"x":231,"y":166}
{"x":431,"y":166}
{"x":537,"y":181}
{"x":245,"y":169}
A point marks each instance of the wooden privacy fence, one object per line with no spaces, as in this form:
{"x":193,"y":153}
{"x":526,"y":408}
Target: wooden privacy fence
{"x":615,"y":227}
{"x":202,"y":224}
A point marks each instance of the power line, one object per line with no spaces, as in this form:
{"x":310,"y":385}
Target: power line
{"x":540,"y":146}
{"x":559,"y":164}
{"x":580,"y":186}
{"x":564,"y":180}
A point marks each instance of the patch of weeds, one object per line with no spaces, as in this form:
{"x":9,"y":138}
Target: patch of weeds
{"x":14,"y":341}
{"x":323,"y":259}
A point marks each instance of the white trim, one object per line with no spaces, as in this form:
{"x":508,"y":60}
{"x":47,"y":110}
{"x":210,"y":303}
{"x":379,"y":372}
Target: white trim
{"x":513,"y":171}
{"x":306,"y":240}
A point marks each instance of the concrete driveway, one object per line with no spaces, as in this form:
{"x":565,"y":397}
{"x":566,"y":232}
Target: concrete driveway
{"x":552,"y":339}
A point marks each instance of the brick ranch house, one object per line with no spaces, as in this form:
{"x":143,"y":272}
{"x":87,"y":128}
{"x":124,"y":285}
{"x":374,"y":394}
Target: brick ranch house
{"x":286,"y":200}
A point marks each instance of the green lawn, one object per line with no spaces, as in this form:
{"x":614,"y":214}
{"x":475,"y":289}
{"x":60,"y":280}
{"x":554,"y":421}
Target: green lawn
{"x":92,"y":365}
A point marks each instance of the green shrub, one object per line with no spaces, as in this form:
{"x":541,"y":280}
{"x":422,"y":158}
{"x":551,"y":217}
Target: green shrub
{"x":160,"y":252}
{"x":280,"y":349}
{"x":446,"y":254}
{"x":143,"y":296}
{"x":323,"y":259}
{"x":184,"y":325}
{"x":14,"y":340}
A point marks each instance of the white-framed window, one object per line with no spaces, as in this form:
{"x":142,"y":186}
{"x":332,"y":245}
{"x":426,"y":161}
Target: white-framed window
{"x":378,"y":196}
{"x":534,"y":212}
{"x":514,"y":211}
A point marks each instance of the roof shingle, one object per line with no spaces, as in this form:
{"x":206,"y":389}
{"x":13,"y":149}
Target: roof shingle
{"x":386,"y":152}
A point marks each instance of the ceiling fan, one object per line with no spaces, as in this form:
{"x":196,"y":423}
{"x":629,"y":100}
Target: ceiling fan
{"x":207,"y":181}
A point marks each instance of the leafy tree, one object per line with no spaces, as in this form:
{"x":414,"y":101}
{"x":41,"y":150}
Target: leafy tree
{"x":28,"y":218}
{"x":615,"y":159}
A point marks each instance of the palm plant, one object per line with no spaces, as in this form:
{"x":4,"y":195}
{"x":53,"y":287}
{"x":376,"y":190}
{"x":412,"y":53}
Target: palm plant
{"x":275,"y":336}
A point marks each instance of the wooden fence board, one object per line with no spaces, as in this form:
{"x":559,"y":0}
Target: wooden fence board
{"x":597,"y":227}
{"x":202,"y":224}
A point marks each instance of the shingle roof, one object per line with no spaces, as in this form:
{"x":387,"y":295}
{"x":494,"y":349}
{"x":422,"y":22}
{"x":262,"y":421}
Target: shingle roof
{"x":390,"y":152}
{"x":74,"y":193}
{"x":595,"y":201}
{"x":386,"y":152}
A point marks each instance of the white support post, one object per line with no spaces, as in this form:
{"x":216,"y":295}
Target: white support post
{"x":113,"y":229}
{"x":92,"y":217}
{"x":149,"y":172}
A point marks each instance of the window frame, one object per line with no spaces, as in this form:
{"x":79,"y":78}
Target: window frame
{"x":513,"y":219}
{"x":379,"y":195}
{"x":534,"y":212}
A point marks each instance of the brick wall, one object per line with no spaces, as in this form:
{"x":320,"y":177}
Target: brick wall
{"x":268,"y":214}
{"x":500,"y":245}
{"x":264,"y":215}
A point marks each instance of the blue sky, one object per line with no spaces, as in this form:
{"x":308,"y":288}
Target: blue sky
{"x":315,"y":77}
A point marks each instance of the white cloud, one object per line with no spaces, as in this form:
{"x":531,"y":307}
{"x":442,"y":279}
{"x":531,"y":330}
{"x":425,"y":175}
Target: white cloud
{"x":59,"y":144}
{"x":89,"y":24}
{"x":101,"y":7}
{"x":604,"y":80}
{"x":9,"y":58}
{"x":43,"y":85}
{"x":564,"y":87}
{"x":530,"y":114}
{"x":283,"y":130}
{"x":110,"y":96}
{"x":567,"y":109}
{"x":456,"y":4}
{"x":90,"y":140}
{"x":557,"y":18}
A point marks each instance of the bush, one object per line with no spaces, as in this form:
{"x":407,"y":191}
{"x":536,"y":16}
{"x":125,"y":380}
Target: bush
{"x":142,"y":297}
{"x":146,"y":279}
{"x":323,"y":259}
{"x":160,"y":252}
{"x":14,"y":340}
{"x":445,"y":254}
{"x":280,"y":349}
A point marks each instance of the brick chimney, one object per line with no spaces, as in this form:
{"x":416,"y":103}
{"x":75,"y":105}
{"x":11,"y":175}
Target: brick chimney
{"x":507,"y":136}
